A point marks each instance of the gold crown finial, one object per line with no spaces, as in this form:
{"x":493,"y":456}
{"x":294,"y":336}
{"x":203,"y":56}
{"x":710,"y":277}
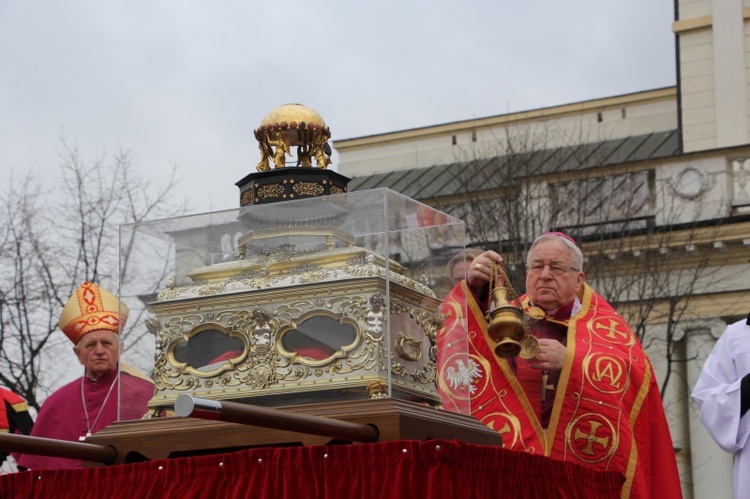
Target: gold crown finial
{"x":293,"y":125}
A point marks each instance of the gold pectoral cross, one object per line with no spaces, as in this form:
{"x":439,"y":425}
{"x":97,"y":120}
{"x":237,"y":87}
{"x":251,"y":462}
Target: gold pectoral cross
{"x":545,"y":386}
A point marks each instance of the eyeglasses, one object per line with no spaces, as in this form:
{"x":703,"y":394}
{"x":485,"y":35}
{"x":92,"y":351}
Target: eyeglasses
{"x":556,"y":269}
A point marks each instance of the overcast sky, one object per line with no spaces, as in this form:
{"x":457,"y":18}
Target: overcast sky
{"x":187,"y":81}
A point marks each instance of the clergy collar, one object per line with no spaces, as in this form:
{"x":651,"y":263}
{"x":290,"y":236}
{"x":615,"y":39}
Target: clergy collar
{"x":104,"y":377}
{"x":566,"y":311}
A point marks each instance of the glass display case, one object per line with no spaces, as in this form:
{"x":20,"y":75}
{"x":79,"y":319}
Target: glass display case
{"x":309,"y":300}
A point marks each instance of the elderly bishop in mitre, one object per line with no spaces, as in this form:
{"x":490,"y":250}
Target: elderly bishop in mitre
{"x":92,"y":319}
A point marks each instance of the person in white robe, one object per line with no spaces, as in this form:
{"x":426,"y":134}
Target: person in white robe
{"x":723,"y":396}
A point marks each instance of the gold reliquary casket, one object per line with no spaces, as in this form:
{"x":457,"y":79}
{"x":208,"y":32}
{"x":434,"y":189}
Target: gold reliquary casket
{"x":302,"y":301}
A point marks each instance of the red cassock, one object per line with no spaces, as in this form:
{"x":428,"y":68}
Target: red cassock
{"x":62,"y":415}
{"x":607,"y":411}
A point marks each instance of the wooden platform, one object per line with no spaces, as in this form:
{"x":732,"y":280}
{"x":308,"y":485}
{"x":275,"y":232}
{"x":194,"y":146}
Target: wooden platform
{"x":395,"y":419}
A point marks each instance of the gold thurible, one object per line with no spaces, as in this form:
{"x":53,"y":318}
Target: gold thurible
{"x":505,"y":320}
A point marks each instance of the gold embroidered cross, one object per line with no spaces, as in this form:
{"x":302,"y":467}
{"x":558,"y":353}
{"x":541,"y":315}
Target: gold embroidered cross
{"x":591,"y":438}
{"x":611,"y":330}
{"x":545,"y":386}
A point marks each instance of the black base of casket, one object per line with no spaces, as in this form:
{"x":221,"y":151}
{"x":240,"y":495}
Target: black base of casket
{"x":285,"y":184}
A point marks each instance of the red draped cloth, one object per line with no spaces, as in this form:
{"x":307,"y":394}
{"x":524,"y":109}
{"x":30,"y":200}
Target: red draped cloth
{"x":388,"y":470}
{"x":607,"y":411}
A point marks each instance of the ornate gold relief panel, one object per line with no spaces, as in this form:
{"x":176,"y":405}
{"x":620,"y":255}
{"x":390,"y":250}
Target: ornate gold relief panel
{"x":317,"y":338}
{"x":304,"y":345}
{"x":414,"y":354}
{"x":207,"y":350}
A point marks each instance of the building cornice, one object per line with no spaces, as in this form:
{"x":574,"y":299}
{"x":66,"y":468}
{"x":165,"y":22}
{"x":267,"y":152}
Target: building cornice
{"x":555,"y":112}
{"x":732,"y":232}
{"x":698,"y":23}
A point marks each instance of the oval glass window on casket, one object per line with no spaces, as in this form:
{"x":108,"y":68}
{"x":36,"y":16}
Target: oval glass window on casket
{"x":317,"y":338}
{"x":209,"y":349}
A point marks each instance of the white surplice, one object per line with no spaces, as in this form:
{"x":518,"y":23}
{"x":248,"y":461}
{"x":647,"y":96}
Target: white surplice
{"x":717,"y":394}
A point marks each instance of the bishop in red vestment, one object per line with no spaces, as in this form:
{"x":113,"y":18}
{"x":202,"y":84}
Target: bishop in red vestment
{"x":589,"y":396}
{"x":92,"y":319}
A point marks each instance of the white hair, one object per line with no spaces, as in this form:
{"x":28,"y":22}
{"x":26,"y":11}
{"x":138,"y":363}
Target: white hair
{"x":575,"y":251}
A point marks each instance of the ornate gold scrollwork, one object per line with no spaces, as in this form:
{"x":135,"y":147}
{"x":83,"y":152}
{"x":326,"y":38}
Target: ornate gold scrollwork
{"x":270,"y":191}
{"x":378,"y":389}
{"x":246,"y":198}
{"x":408,"y":347}
{"x":308,"y":189}
{"x":317,"y":338}
{"x":207,"y":350}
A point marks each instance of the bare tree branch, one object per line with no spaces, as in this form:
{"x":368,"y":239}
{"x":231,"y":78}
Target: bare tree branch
{"x":53,"y":240}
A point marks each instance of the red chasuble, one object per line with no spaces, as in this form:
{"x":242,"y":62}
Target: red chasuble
{"x":607,"y":411}
{"x":62,"y":415}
